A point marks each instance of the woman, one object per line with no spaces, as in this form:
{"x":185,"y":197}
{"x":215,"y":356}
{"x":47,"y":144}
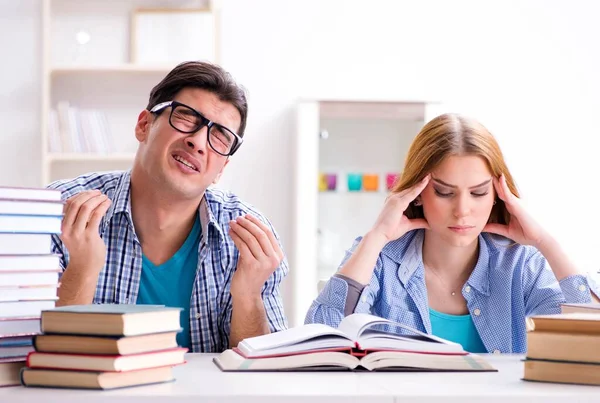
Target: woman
{"x":453,"y":252}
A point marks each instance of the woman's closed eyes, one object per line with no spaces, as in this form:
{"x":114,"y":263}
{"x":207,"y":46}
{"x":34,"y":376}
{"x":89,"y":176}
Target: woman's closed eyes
{"x":441,"y":193}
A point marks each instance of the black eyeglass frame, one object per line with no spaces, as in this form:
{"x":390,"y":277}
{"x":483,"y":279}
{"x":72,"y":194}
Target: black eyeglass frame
{"x":204,"y":121}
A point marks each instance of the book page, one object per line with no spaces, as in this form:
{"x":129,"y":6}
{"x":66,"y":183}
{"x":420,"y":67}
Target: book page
{"x":229,"y":360}
{"x":301,"y":334}
{"x":373,"y":332}
{"x":390,"y":359}
{"x":354,"y":325}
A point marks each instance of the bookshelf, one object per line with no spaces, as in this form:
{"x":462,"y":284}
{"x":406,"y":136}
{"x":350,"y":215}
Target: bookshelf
{"x":117,"y":68}
{"x":87,"y":64}
{"x":348,"y":139}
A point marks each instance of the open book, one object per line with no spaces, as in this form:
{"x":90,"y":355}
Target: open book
{"x":360,"y":341}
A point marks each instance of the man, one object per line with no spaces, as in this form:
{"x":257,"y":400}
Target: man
{"x":158,"y":235}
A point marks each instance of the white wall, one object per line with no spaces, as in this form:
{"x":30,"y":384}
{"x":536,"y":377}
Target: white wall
{"x":20,"y":90}
{"x":526,"y":69}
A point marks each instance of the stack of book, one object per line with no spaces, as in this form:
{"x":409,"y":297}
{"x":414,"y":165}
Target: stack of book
{"x":564,"y":348}
{"x":360,"y":343}
{"x":105,"y":347}
{"x":28,"y":271}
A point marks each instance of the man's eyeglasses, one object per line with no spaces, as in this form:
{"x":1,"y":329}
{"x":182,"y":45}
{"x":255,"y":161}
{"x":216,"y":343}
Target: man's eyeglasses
{"x":186,"y":119}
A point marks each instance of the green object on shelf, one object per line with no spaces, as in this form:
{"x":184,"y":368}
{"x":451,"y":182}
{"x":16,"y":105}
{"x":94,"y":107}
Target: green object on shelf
{"x":354,"y":182}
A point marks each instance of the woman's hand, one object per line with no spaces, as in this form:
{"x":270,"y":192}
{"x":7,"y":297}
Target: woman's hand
{"x":392,"y":223}
{"x":522,"y":228}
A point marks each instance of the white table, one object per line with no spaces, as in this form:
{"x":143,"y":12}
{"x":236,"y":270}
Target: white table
{"x":201,"y":381}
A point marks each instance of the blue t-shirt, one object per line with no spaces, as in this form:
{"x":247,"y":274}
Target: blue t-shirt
{"x":457,"y":328}
{"x":171,"y":283}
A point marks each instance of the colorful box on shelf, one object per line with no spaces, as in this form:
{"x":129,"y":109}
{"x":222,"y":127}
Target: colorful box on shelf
{"x":327,"y":182}
{"x":354,"y":182}
{"x":370,"y":182}
{"x":390,"y":180}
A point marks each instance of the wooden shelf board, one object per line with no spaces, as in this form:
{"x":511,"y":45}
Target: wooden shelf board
{"x":118,"y":68}
{"x":74,"y":157}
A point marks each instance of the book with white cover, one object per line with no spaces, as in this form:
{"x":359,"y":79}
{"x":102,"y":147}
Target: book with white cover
{"x":29,"y":223}
{"x":361,"y":341}
{"x":24,"y":293}
{"x":24,"y":308}
{"x":25,"y":244}
{"x":31,"y":207}
{"x":9,"y":263}
{"x":28,"y":278}
{"x":19,"y":326}
{"x":232,"y":361}
{"x":357,"y":331}
{"x":22,"y":193}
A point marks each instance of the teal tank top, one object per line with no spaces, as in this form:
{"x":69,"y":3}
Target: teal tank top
{"x":457,"y":328}
{"x":172,"y":282}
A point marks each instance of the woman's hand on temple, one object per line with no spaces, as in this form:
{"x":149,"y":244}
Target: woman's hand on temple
{"x":522,"y":228}
{"x":392,"y":223}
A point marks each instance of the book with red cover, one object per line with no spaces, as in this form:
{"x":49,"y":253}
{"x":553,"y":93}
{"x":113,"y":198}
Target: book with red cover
{"x":106,"y":363}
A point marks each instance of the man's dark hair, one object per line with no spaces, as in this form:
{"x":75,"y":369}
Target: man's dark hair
{"x":206,"y":76}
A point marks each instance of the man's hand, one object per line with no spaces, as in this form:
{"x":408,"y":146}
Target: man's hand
{"x":87,"y":251}
{"x":260,"y":255}
{"x":82,"y":215}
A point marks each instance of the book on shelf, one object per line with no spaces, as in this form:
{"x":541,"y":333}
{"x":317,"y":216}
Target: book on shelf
{"x":25,"y":244}
{"x":104,"y":363}
{"x":75,"y":130}
{"x":94,"y":380}
{"x":111,"y":319}
{"x":361,"y":341}
{"x":104,"y":345}
{"x":593,"y":307}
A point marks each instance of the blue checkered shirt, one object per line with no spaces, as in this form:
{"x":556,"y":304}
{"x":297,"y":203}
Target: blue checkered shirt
{"x":210,"y":305}
{"x":509,"y":283}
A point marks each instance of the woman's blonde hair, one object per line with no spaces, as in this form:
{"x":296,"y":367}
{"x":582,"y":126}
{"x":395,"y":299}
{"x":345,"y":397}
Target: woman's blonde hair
{"x":453,"y":135}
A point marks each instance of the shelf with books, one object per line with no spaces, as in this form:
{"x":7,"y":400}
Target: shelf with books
{"x":96,"y":75}
{"x":84,"y":157}
{"x":363,"y":144}
{"x":116,"y":68}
